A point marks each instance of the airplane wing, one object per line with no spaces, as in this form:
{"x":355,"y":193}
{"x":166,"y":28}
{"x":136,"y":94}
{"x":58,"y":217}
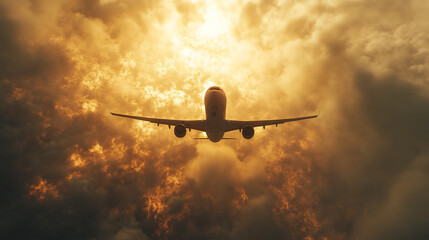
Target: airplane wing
{"x":232,"y":125}
{"x":191,"y":124}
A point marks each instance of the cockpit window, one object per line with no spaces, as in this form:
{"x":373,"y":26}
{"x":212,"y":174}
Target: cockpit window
{"x":214,"y":88}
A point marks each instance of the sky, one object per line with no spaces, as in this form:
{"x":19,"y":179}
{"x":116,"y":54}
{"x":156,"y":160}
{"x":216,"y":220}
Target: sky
{"x":70,"y":170}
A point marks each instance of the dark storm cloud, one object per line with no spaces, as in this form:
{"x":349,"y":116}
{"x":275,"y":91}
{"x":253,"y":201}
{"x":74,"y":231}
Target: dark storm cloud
{"x":258,"y":222}
{"x":398,"y":111}
{"x":369,"y":181}
{"x":359,"y":171}
{"x":36,"y":142}
{"x":404,"y":211}
{"x":373,"y":70}
{"x":382,"y":127}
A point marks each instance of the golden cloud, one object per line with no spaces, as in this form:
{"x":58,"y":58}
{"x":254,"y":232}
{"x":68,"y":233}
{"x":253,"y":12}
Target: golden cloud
{"x":67,"y":164}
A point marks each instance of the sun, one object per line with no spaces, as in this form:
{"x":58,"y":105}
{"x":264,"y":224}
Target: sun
{"x":216,"y":22}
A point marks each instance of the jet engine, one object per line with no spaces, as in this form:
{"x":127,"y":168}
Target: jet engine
{"x":248,"y":132}
{"x":180,"y":131}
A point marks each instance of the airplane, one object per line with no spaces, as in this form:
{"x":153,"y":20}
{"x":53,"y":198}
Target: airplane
{"x":215,"y":125}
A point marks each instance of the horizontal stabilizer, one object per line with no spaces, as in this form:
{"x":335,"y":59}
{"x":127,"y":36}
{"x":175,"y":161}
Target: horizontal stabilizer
{"x":222,"y":138}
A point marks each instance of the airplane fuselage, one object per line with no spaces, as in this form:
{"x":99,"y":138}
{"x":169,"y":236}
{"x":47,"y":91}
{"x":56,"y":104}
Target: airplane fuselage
{"x":215,"y":106}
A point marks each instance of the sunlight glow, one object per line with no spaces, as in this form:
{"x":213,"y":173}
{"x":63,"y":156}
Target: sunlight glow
{"x":89,"y":105}
{"x":43,"y":190}
{"x":216,"y":22}
{"x":158,"y":59}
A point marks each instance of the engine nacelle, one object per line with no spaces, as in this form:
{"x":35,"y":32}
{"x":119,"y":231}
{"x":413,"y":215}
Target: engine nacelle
{"x":179,"y":131}
{"x":248,"y":132}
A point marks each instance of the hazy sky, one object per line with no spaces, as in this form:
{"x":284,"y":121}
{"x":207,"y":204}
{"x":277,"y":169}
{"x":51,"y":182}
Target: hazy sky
{"x":70,"y":170}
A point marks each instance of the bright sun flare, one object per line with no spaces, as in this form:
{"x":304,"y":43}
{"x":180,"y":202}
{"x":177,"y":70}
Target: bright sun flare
{"x":215,"y":22}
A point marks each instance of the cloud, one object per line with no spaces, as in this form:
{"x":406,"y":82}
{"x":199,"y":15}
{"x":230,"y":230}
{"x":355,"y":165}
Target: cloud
{"x":69,"y":170}
{"x":403,"y":211}
{"x":130,"y":234}
{"x":220,"y":165}
{"x":257,"y":222}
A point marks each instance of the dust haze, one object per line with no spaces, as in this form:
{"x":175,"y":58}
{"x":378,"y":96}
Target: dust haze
{"x":69,"y":170}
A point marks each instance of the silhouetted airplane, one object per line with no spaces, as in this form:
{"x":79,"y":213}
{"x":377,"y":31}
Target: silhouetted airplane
{"x":215,"y":124}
